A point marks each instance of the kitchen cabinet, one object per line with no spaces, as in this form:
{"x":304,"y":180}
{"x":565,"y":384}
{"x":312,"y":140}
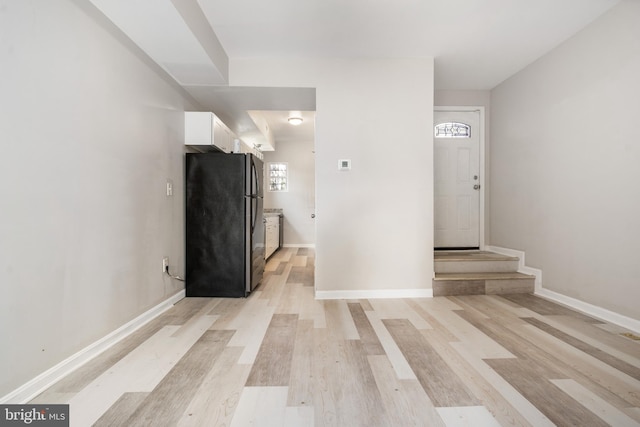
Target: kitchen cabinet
{"x":221,"y":136}
{"x":272,"y":235}
{"x":204,"y":131}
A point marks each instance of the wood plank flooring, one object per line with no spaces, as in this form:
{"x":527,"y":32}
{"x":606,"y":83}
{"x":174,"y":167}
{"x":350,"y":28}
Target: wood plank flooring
{"x":282,"y":358}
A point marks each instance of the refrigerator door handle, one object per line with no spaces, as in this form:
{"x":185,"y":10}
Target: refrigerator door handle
{"x":254,"y":211}
{"x":256,"y":184}
{"x":255,"y":194}
{"x":254,"y":179}
{"x":254,"y":215}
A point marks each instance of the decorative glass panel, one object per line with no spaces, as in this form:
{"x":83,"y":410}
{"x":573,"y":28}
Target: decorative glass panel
{"x":278,"y":177}
{"x":452,"y":130}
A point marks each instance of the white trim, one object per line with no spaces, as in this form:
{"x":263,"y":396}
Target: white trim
{"x":590,"y":309}
{"x":299,"y":245}
{"x":480,"y":109}
{"x":37,"y":385}
{"x":375,"y":294}
{"x":522,"y":267}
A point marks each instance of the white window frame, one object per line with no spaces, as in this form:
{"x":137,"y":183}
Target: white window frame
{"x":274,"y":174}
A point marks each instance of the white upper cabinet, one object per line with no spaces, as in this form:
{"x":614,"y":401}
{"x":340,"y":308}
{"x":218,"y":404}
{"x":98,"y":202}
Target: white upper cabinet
{"x":206,"y":131}
{"x":221,"y":136}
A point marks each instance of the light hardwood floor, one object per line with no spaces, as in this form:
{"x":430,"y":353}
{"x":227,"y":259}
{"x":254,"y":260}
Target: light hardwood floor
{"x":281,"y":358}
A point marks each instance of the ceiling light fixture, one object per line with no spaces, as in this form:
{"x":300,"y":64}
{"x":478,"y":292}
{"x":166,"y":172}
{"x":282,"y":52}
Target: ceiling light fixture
{"x":295,"y":120}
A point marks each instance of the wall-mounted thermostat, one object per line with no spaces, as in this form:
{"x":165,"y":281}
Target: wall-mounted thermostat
{"x":344,"y":164}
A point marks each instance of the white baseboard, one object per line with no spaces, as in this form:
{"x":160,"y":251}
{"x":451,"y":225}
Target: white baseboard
{"x":522,"y":267}
{"x":590,"y":309}
{"x":374,"y":294}
{"x":299,"y":245}
{"x":31,"y":389}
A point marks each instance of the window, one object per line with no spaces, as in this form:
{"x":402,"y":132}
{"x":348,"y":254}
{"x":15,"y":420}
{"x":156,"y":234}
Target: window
{"x":452,"y":130}
{"x":278,"y":177}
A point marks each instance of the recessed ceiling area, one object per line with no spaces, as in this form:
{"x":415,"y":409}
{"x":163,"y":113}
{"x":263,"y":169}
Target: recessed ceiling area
{"x":476,"y":44}
{"x":285,"y":131}
{"x":234,"y":104}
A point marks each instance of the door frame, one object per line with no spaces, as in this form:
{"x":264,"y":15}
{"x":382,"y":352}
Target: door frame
{"x":481,"y":111}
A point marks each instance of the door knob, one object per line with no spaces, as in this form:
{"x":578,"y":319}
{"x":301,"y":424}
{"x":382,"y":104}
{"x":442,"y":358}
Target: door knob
{"x":476,"y":187}
{"x":313,"y":215}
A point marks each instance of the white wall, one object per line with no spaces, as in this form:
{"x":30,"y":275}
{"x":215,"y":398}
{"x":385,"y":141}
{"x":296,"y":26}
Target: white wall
{"x":462,"y":97}
{"x":374,"y":225}
{"x":298,"y":203}
{"x":565,"y":163}
{"x":89,"y":135}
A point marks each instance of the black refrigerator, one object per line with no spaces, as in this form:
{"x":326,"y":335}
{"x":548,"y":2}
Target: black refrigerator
{"x":224,"y":227}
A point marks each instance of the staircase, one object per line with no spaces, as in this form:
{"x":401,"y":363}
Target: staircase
{"x":478,"y":273}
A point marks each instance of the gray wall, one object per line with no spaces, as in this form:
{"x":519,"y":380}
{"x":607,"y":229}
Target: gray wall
{"x":565,"y":163}
{"x":374,"y":224}
{"x":299,"y":202}
{"x":89,"y":134}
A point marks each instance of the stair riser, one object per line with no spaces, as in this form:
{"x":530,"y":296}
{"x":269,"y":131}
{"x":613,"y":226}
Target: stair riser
{"x":458,"y":287}
{"x":509,"y":286}
{"x":483,"y":287}
{"x":476,"y":266}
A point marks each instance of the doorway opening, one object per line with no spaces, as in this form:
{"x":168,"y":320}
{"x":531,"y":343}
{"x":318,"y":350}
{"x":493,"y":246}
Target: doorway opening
{"x":459,"y":178}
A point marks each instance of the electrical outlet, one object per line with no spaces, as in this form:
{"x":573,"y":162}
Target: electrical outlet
{"x":165,"y":264}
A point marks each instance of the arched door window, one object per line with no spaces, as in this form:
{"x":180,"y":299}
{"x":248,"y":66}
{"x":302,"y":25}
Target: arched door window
{"x":452,"y":130}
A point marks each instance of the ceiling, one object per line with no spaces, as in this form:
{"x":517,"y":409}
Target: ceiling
{"x":234,"y":104}
{"x":476,"y":44}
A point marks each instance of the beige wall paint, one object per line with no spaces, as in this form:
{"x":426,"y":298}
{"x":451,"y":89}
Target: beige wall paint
{"x":462,"y":97}
{"x":565,"y":163}
{"x":374,"y":225}
{"x":89,"y":135}
{"x":298,"y":203}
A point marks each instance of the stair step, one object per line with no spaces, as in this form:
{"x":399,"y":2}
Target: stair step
{"x":471,"y":256}
{"x":482,"y":283}
{"x":482,"y":276}
{"x":474,"y":262}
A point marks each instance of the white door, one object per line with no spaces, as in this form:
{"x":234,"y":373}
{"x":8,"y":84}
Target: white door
{"x":457,"y":179}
